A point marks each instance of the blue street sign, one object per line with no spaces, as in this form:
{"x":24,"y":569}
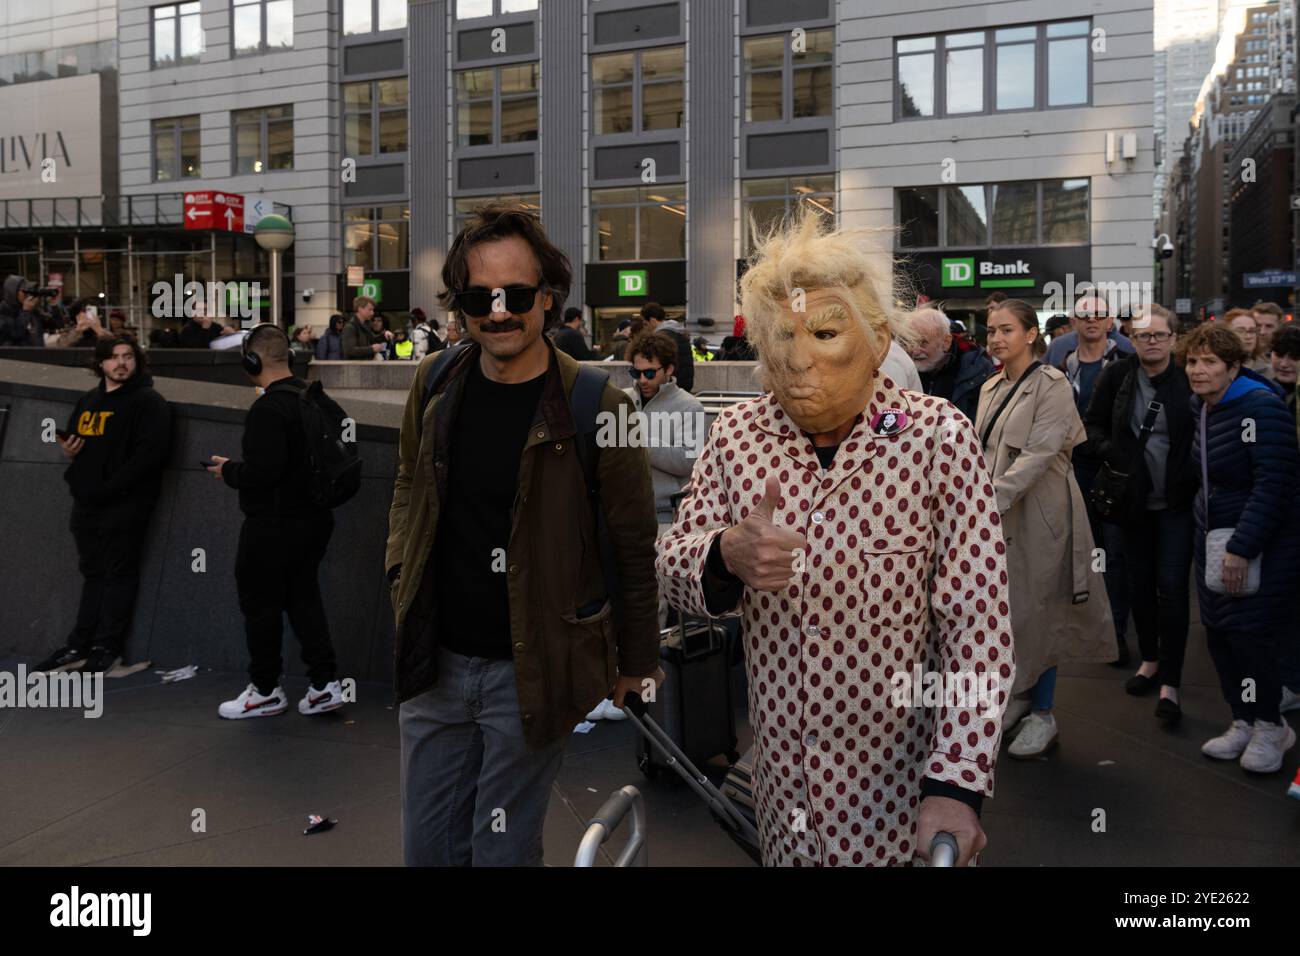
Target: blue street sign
{"x":1268,"y":280}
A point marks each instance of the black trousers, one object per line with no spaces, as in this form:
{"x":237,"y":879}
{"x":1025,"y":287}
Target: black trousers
{"x":1238,"y":656}
{"x":109,"y":543}
{"x":276,"y":573}
{"x":1158,"y":556}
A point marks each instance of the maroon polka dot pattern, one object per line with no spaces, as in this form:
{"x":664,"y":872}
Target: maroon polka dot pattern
{"x":905,"y":568}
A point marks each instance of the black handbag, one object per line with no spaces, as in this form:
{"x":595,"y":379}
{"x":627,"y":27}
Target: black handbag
{"x":1110,"y":489}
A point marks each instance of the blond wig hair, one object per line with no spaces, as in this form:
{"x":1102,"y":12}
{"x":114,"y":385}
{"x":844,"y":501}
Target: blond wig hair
{"x":854,"y":265}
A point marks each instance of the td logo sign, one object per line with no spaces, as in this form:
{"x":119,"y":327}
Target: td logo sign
{"x":957,"y":272}
{"x":631,"y":282}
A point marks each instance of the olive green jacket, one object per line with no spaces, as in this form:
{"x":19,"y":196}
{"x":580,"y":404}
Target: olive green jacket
{"x":564,"y":664}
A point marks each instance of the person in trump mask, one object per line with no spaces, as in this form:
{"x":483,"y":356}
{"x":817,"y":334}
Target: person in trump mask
{"x":853,"y":526}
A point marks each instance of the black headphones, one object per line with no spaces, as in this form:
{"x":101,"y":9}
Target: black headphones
{"x":251,"y":361}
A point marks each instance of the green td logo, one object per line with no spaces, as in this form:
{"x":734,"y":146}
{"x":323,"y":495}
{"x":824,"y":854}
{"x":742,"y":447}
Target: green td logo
{"x":957,"y":272}
{"x":631,"y":282}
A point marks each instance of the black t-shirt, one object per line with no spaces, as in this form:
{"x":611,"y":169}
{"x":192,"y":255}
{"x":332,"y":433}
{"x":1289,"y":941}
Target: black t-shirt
{"x":487,"y":442}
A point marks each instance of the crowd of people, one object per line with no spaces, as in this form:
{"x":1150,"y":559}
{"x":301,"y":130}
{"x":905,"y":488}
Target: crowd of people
{"x":896,"y":487}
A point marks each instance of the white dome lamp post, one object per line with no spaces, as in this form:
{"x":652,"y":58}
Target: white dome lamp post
{"x":274,"y":233}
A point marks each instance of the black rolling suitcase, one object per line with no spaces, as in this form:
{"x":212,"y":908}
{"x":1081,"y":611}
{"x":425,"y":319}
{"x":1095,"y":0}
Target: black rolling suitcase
{"x":694,"y":704}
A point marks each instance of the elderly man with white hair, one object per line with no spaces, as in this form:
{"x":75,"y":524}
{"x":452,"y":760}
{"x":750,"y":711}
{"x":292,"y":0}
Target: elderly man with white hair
{"x":951,"y":366}
{"x":853,"y":526}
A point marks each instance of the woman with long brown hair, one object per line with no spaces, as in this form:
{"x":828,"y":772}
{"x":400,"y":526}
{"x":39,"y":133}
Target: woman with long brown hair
{"x":1028,"y":424}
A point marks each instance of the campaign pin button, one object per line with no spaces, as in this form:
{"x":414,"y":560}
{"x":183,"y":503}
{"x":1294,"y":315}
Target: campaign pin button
{"x":889,"y":421}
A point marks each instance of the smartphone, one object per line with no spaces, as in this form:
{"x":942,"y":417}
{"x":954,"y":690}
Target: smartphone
{"x":66,"y":436}
{"x":92,"y":311}
{"x":206,"y":464}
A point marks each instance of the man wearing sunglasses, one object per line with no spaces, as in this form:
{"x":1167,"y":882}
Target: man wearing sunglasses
{"x":674,"y":419}
{"x":509,"y":629}
{"x":1156,"y":512}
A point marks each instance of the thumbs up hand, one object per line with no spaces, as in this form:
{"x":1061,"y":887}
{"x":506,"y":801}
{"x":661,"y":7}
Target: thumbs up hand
{"x":758,"y":551}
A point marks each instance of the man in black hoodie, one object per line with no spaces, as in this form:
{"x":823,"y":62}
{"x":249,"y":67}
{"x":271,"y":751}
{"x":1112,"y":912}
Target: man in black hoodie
{"x":20,"y":323}
{"x":283,"y":539}
{"x":119,"y":442}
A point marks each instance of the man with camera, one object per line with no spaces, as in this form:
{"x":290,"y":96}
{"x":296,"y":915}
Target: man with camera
{"x":117,"y":439}
{"x":20,"y":322}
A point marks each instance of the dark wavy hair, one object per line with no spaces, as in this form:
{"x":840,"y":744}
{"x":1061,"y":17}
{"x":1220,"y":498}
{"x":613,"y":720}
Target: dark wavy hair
{"x":655,"y":346}
{"x":1218,"y":339}
{"x":104,"y":351}
{"x":502,"y":219}
{"x":1286,"y":342}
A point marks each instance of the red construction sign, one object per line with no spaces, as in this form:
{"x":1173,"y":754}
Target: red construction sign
{"x":214,"y":210}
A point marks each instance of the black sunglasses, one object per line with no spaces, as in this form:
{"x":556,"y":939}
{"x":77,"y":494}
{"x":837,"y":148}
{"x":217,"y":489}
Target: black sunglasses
{"x":649,"y":373}
{"x":477,"y":303}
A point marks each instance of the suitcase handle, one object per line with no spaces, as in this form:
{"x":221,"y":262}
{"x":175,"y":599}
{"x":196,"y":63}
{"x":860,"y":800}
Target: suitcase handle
{"x":682,"y":766}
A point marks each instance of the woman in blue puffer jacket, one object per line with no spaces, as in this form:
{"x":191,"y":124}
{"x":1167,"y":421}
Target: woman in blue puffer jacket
{"x":1249,"y":451}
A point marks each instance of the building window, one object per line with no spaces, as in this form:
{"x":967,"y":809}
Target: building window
{"x":262,"y":26}
{"x":1033,"y":67}
{"x":369,"y":16}
{"x":175,"y":148}
{"x":769,"y":201}
{"x":177,"y":34}
{"x":465,"y":207}
{"x":782,"y":83}
{"x":475,"y":9}
{"x":496,"y":105}
{"x":1067,"y":63}
{"x":376,"y":238}
{"x":1033,"y":213}
{"x":639,"y":91}
{"x":374,"y":117}
{"x":263,"y":139}
{"x":639,"y":223}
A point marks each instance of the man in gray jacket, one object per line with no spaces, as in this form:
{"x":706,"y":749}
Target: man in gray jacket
{"x":673,"y":423}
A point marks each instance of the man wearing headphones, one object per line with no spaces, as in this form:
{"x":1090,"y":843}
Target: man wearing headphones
{"x":283,"y":538}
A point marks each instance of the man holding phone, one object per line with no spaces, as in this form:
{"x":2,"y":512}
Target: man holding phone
{"x":87,"y":329}
{"x":117,"y":439}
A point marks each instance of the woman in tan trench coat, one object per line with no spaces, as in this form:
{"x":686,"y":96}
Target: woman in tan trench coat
{"x":1059,"y":610}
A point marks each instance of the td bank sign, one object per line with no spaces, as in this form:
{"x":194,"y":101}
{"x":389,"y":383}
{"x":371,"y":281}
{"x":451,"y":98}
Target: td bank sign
{"x":987,"y":274}
{"x":1020,"y":271}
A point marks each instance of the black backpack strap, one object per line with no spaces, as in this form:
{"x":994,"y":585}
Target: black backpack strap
{"x":438,"y":371}
{"x":584,"y":402}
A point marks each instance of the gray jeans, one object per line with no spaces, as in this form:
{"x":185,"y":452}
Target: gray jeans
{"x":472,"y":793}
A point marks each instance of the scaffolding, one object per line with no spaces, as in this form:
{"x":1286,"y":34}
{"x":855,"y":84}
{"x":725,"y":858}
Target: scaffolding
{"x":101,"y":228}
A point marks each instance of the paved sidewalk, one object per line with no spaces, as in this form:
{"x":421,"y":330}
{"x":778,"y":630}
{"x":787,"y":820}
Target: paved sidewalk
{"x":123,"y":789}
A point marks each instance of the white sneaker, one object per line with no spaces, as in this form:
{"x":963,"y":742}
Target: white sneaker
{"x":1290,"y":700}
{"x":606,"y":710}
{"x":252,"y":704}
{"x":1230,"y":744}
{"x":1017,"y":707}
{"x":320,"y":701}
{"x":1267,"y":745}
{"x":1037,"y":736}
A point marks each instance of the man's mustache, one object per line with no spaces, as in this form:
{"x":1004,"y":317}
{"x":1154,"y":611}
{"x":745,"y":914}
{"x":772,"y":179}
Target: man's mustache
{"x":504,"y":325}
